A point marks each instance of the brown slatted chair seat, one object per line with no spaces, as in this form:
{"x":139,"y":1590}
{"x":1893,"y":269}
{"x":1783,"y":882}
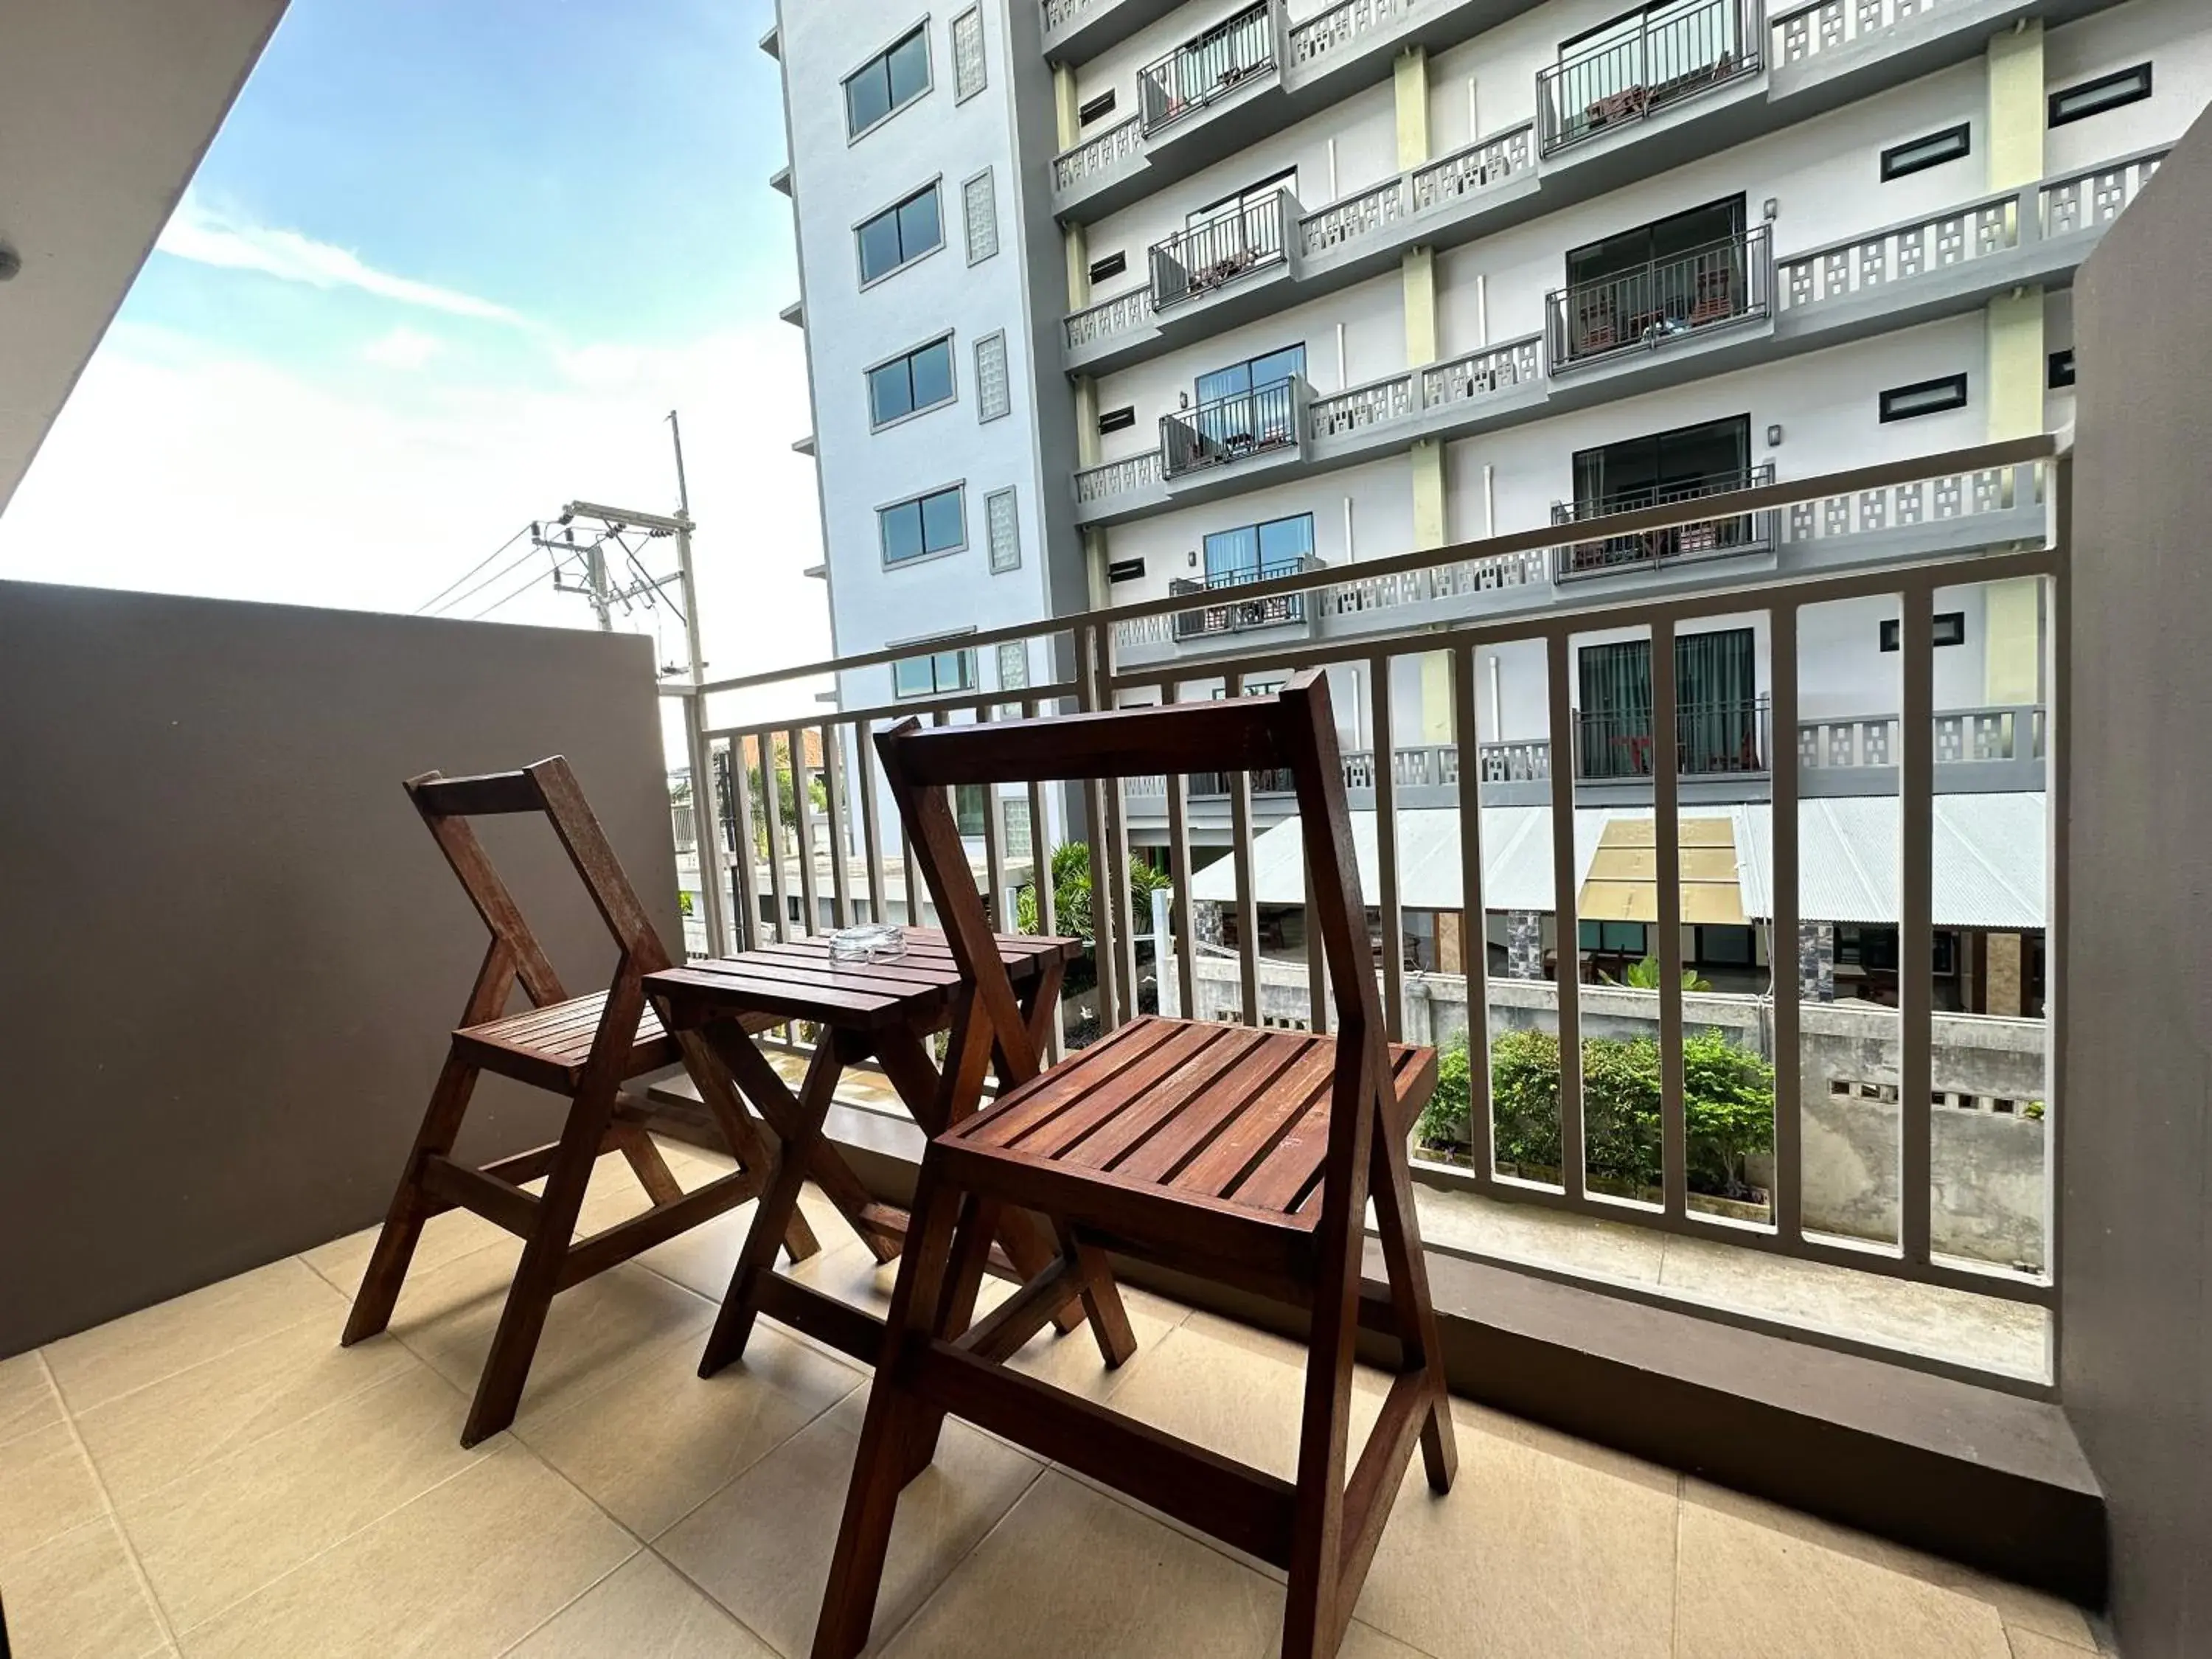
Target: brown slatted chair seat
{"x":1233,"y":1117}
{"x":549,"y":1046}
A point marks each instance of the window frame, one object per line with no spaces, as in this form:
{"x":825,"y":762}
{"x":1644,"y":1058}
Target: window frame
{"x":982,"y":53}
{"x":1899,"y":161}
{"x":1096,"y":109}
{"x":1951,"y":623}
{"x":958,"y":490}
{"x":984,"y":413}
{"x":1116,"y":420}
{"x":952,"y":381}
{"x":966,"y":653}
{"x":2059,"y":373}
{"x":1107,"y":266}
{"x":2137,"y":82}
{"x":907,"y":261}
{"x":1260,"y":561}
{"x":989,"y":179}
{"x":1891,"y":396}
{"x":882,"y":55}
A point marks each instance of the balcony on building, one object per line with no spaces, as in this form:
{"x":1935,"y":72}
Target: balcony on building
{"x":1654,"y":288}
{"x":1633,"y":69}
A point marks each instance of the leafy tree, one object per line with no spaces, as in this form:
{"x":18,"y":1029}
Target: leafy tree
{"x":1644,"y":976}
{"x":1071,"y":893}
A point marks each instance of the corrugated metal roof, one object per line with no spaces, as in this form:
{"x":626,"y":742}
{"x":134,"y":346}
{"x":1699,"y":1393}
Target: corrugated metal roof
{"x":1988,"y":858}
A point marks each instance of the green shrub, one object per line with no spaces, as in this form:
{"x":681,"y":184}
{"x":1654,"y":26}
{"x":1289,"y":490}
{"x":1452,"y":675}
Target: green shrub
{"x":1728,"y":1096}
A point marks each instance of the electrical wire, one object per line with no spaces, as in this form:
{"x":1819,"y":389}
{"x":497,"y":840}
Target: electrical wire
{"x":504,"y":570}
{"x":499,"y":603}
{"x":470,"y":571}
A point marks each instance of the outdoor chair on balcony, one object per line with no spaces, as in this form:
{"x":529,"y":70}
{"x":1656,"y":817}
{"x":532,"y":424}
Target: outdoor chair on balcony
{"x":1248,"y":1157}
{"x":583,"y":1048}
{"x":1596,"y":326}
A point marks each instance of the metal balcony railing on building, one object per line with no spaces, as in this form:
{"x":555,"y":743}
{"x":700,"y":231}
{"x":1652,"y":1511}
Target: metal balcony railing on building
{"x":1210,"y":67}
{"x":1221,"y":250}
{"x":1712,"y":739}
{"x":1669,"y":54}
{"x":1748,"y":532}
{"x":1656,"y":304}
{"x":1236,"y":427}
{"x":1236,"y":617}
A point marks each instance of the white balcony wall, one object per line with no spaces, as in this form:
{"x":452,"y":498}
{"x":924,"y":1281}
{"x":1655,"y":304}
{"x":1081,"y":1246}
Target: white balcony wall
{"x":1503,"y":64}
{"x":1118,"y":65}
{"x":1373,"y":316}
{"x":2175,"y":36}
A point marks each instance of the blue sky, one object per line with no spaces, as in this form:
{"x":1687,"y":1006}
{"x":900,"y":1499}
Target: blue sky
{"x":447,"y":265}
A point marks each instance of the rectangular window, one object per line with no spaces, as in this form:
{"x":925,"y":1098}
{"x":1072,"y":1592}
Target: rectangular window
{"x":1102,"y":105}
{"x":1255,"y":551}
{"x":931,"y":524}
{"x":1717,"y":708}
{"x":1918,"y":154}
{"x":921,"y":379}
{"x":1726,"y":947}
{"x":900,"y":234}
{"x":979,"y":206}
{"x":2062,"y":369}
{"x":1252,"y":196}
{"x":2087,"y":98}
{"x":1002,"y":528}
{"x":1949,"y":628}
{"x":968,"y":72}
{"x":1905,"y":403}
{"x":1118,"y":420}
{"x":887,"y":82}
{"x":993,"y":398}
{"x":1621,"y":939}
{"x":938,"y":674}
{"x":1125,"y":570}
{"x":1013,"y":667}
{"x":1112,"y":265}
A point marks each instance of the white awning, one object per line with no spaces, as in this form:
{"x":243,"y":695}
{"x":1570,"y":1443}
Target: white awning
{"x":1988,"y":858}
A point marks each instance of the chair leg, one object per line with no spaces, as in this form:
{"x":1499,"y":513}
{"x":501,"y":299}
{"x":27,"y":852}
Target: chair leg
{"x":647,"y":1163}
{"x":955,"y":1310}
{"x":1102,"y":1299}
{"x":856,"y":1570}
{"x":1314,"y":1613}
{"x":1399,"y":1231}
{"x":403,"y":1222}
{"x":522,"y":1321}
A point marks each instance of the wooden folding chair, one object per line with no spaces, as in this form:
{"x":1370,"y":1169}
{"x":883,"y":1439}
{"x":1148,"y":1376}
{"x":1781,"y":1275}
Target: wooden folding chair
{"x":583,"y":1047}
{"x":1244,"y":1156}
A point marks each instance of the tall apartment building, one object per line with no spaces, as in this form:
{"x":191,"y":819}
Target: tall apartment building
{"x":1107,"y":300}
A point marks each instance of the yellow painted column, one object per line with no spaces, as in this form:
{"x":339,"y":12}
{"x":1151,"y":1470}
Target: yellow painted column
{"x":1064,"y":105}
{"x":1410,"y":77}
{"x":1086,"y":420}
{"x":1079,"y":266}
{"x":2013,"y":394}
{"x":1418,"y":272}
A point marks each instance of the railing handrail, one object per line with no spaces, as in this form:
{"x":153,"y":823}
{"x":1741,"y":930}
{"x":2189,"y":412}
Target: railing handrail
{"x":1591,"y":53}
{"x":1227,"y":398}
{"x":2010,"y":451}
{"x":1497,"y":347}
{"x":1744,"y":241}
{"x":1224,"y":30}
{"x":1272,"y":204}
{"x":1566,"y":514}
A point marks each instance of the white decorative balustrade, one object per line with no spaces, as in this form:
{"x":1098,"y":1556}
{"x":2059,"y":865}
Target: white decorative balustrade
{"x":1094,"y":158}
{"x":1451,"y":581}
{"x":1963,"y":737}
{"x":1354,"y":218}
{"x":2095,"y":194}
{"x":1479,"y":373}
{"x":1907,"y":505}
{"x":1900,"y":252}
{"x":1829,"y":26}
{"x":1521,"y":760}
{"x":1124,"y":313}
{"x":1063,"y":14}
{"x":1321,"y":39}
{"x":1362,"y":406}
{"x":1132,"y":472}
{"x":1480,"y":166}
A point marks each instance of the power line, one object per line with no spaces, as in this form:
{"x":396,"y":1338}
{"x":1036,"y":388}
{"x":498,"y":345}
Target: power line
{"x":498,"y":604}
{"x":511,"y":565}
{"x":470,"y":571}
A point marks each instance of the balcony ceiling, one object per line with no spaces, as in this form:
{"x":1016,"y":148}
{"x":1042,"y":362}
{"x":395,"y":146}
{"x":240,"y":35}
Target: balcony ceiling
{"x":106,"y":108}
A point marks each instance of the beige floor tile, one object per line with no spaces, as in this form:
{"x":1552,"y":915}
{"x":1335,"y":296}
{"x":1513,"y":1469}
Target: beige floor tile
{"x":2020,"y":1607}
{"x":445,"y":1238}
{"x":592,"y":1331}
{"x":644,"y":1610}
{"x":468,"y":1569}
{"x":142,"y":1347}
{"x":1754,"y":1591}
{"x":234,"y":1525}
{"x":156,"y":1434}
{"x":1072,"y":1361}
{"x":703,"y":1259}
{"x":78,"y":1597}
{"x":27,"y":1401}
{"x":46,"y":1489}
{"x":1543,"y":1549}
{"x":762,"y":1546}
{"x":656,"y":1441}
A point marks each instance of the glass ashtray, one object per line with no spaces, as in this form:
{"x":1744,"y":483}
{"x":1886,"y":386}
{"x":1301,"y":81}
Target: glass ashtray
{"x":880,"y":941}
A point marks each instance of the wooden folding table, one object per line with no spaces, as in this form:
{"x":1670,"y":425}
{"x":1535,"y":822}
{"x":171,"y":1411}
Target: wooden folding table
{"x":885,"y":1009}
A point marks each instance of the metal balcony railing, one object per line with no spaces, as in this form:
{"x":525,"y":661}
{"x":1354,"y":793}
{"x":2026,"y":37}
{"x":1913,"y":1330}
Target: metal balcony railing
{"x":1673,"y":52}
{"x":1711,"y":740}
{"x":1221,"y":250}
{"x":1240,"y":615}
{"x":1738,"y":533}
{"x":1231,"y":428}
{"x":1657,"y":304}
{"x":1210,"y":67}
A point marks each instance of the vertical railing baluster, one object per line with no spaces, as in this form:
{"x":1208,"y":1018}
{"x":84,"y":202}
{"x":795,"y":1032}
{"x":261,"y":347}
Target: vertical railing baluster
{"x":772,"y":813}
{"x":2057,"y":988}
{"x":1566,"y":975}
{"x":747,"y":933}
{"x":1178,"y":789}
{"x":871,"y":837}
{"x":802,"y":810}
{"x":833,"y":792}
{"x":1386,"y":849}
{"x":1247,"y":905}
{"x":1091,"y":696}
{"x":1474,"y":936}
{"x":995,"y":850}
{"x":1041,"y":878}
{"x":1667,"y":872}
{"x":706,"y":827}
{"x":1916,"y":944}
{"x":1784,"y":947}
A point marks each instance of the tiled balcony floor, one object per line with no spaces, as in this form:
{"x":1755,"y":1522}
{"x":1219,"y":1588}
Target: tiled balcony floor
{"x":214,"y":1476}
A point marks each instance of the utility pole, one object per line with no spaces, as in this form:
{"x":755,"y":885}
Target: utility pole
{"x":706,"y":797}
{"x":683,"y":570}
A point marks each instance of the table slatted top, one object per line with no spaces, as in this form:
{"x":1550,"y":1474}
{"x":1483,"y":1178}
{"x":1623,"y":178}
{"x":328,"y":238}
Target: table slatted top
{"x":800,"y":979}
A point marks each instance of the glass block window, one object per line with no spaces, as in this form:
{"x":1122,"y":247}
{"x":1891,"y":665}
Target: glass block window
{"x":980,"y":203}
{"x":992,"y":396}
{"x":1004,"y":530}
{"x":968,"y":74}
{"x":1015,"y":840}
{"x":1013,"y":665}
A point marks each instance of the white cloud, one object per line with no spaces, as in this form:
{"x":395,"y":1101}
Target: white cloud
{"x":205,"y":236}
{"x":403,"y":348}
